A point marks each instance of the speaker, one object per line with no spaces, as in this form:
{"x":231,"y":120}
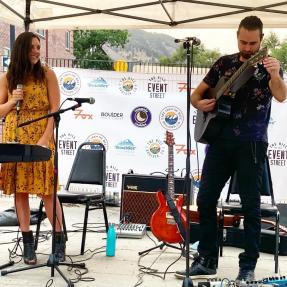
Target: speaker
{"x":234,"y":236}
{"x":138,"y":195}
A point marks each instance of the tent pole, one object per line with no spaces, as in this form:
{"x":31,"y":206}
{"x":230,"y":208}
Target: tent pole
{"x":27,"y":19}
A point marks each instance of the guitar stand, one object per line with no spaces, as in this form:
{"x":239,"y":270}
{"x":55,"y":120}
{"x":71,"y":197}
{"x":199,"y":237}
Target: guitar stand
{"x":52,"y":262}
{"x":160,"y":246}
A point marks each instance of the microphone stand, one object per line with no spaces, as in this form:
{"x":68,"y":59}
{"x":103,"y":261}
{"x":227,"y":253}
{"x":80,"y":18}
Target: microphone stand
{"x":52,"y":260}
{"x":188,"y":45}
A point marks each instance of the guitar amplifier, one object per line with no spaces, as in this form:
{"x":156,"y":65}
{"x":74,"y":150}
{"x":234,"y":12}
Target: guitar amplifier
{"x":138,"y":195}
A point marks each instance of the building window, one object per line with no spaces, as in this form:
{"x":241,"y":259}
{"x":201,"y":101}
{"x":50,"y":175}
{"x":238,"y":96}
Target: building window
{"x":6,"y":51}
{"x":41,"y":33}
{"x":5,"y":60}
{"x":68,"y":40}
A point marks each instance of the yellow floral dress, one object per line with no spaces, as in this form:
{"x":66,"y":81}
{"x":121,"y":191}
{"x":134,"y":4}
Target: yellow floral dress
{"x":28,"y":177}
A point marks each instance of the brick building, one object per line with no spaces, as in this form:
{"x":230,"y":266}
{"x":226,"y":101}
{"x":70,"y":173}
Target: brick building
{"x":55,"y":44}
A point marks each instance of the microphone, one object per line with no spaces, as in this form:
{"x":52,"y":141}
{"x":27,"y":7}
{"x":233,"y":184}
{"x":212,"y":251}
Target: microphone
{"x":195,"y":41}
{"x":82,"y":100}
{"x":18,"y":104}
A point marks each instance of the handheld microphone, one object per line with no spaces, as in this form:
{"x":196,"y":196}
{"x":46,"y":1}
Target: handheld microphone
{"x":195,"y":41}
{"x":82,"y":100}
{"x":18,"y":104}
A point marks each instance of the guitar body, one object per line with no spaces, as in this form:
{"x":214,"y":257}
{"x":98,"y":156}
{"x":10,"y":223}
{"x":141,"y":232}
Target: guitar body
{"x":208,"y":124}
{"x":162,"y":223}
{"x":207,"y":127}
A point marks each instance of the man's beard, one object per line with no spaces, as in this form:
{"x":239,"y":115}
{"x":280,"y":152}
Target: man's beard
{"x":246,"y":55}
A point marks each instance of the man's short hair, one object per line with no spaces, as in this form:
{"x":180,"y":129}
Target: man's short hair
{"x":251,"y":23}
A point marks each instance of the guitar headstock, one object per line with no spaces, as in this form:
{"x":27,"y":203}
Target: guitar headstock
{"x":260,"y":55}
{"x":169,"y":139}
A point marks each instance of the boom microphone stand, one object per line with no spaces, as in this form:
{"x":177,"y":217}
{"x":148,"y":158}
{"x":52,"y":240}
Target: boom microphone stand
{"x":52,"y":262}
{"x":188,"y":45}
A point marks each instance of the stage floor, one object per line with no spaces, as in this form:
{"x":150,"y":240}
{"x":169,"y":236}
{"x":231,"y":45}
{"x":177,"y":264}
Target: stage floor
{"x":126,"y":269}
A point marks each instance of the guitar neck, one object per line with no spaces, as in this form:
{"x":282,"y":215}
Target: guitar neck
{"x":232,"y":79}
{"x":248,"y":63}
{"x":170,"y":183}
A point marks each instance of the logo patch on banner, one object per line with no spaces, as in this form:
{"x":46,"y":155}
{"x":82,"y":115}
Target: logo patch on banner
{"x":171,"y":118}
{"x":70,"y":83}
{"x":112,"y":115}
{"x":125,"y":145}
{"x":157,"y":87}
{"x":112,"y":176}
{"x":99,"y":82}
{"x":141,"y":117}
{"x":127,"y":86}
{"x":155,"y":148}
{"x":68,"y":144}
{"x":277,"y":154}
{"x":196,"y":174}
{"x":98,"y":138}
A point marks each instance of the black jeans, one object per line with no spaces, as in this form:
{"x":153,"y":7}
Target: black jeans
{"x":222,"y":158}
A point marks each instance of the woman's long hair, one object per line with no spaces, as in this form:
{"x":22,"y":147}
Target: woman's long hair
{"x":20,"y":66}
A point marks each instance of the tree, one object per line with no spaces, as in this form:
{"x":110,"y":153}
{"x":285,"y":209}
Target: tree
{"x":277,"y":49}
{"x":271,"y":41}
{"x":88,"y":47}
{"x":202,"y":57}
{"x":280,"y":54}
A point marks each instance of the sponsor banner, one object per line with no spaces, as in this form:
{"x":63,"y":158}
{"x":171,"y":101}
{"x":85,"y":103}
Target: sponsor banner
{"x":130,"y":115}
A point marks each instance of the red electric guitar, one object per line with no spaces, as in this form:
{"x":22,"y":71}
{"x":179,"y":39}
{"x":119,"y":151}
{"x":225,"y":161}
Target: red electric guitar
{"x":169,"y":220}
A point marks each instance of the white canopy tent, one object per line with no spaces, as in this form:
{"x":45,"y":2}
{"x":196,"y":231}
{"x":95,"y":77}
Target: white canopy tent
{"x":140,"y":14}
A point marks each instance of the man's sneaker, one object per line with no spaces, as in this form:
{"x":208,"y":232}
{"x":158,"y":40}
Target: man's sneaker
{"x":246,"y":275}
{"x":201,"y":268}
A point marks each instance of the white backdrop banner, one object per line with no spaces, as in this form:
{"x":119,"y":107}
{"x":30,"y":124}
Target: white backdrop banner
{"x":131,"y":113}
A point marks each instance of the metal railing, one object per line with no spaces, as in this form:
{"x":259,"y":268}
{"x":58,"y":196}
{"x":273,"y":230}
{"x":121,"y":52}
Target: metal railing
{"x":135,"y":67}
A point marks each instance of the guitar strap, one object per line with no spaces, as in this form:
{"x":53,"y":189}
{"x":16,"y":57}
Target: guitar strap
{"x":175,"y":214}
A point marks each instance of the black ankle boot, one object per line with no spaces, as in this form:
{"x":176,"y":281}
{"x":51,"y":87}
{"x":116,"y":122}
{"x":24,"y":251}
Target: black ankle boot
{"x":29,"y":250}
{"x":201,"y":268}
{"x":60,"y":246}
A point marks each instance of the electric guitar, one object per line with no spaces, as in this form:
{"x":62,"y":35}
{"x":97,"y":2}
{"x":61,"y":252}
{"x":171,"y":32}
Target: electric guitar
{"x":208,"y":124}
{"x":169,"y":220}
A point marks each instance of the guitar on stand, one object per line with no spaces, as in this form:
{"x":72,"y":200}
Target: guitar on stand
{"x":169,"y":220}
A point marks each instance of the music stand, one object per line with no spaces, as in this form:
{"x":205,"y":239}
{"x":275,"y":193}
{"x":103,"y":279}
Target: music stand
{"x":52,"y":260}
{"x":15,"y":152}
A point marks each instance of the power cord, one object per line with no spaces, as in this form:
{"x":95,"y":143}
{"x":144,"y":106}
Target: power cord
{"x":144,"y":270}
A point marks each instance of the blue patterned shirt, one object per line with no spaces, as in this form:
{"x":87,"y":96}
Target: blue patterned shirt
{"x":250,"y":109}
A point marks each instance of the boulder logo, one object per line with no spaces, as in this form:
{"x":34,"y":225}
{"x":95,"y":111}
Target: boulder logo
{"x":99,"y":82}
{"x":171,"y":118}
{"x":70,"y":83}
{"x":125,"y":145}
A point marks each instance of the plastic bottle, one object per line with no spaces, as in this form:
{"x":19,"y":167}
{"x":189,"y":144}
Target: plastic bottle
{"x":111,"y":241}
